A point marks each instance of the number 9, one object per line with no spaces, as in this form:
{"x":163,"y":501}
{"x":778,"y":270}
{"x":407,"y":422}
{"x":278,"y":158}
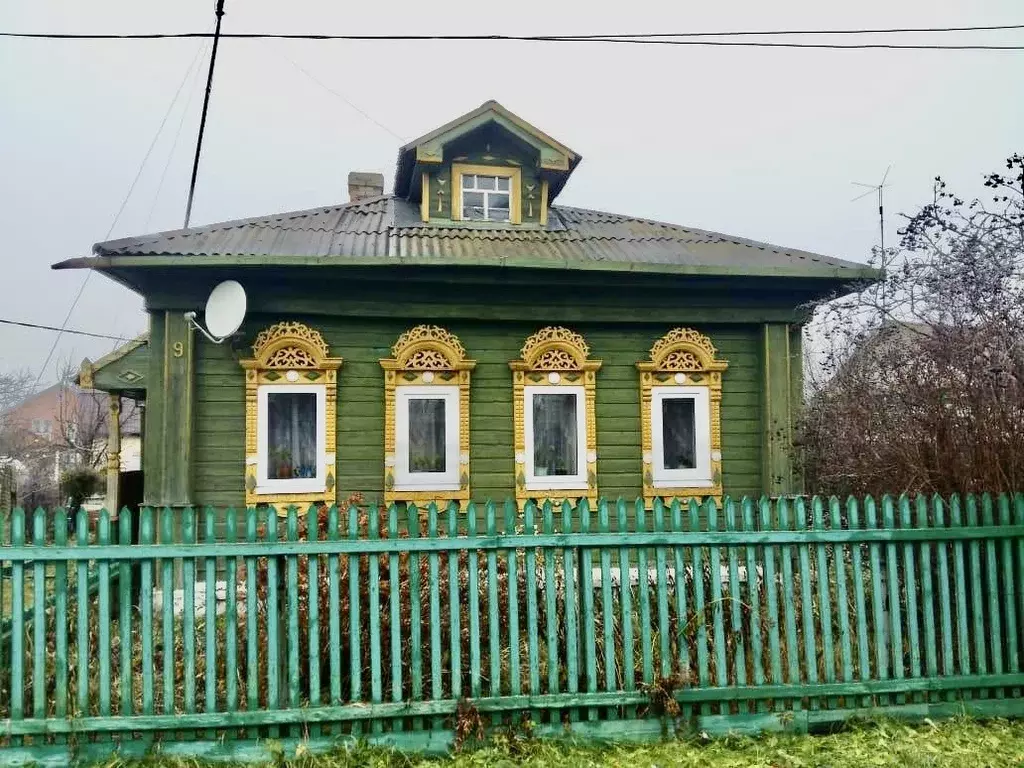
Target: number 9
{"x":178,"y":348}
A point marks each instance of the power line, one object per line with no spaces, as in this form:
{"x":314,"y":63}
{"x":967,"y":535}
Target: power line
{"x":59,"y":330}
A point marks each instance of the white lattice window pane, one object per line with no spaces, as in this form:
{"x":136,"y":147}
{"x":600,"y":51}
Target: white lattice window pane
{"x":473,"y":206}
{"x":427,"y":438}
{"x":503,"y":183}
{"x":555,"y":438}
{"x":678,"y":434}
{"x":291,"y":435}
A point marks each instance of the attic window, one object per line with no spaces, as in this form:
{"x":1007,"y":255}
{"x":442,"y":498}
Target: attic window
{"x":486,"y":193}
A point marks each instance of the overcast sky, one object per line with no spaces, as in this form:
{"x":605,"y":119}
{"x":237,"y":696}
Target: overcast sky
{"x":754,"y":142}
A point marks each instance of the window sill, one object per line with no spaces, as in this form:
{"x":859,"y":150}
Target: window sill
{"x":684,"y":483}
{"x":438,"y":487}
{"x":289,"y":487}
{"x":569,"y":484}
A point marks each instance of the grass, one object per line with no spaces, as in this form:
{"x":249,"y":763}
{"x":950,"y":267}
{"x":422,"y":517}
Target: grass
{"x":961,"y":742}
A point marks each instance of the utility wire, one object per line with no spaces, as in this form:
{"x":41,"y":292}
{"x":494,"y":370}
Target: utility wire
{"x":597,"y":37}
{"x":117,"y":216}
{"x":58,"y":330}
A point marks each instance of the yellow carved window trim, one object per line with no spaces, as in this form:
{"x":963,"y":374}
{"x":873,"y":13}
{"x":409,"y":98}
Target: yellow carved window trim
{"x":426,"y":356}
{"x":288,"y":354}
{"x":515,"y":203}
{"x":682,"y":357}
{"x":554,"y":356}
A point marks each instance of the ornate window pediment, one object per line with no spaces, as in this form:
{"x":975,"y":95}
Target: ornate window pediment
{"x":681,"y":421}
{"x":290,"y":417}
{"x":426,"y":417}
{"x":553,"y":413}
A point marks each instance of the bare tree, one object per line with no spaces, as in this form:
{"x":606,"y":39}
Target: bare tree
{"x":918,"y":379}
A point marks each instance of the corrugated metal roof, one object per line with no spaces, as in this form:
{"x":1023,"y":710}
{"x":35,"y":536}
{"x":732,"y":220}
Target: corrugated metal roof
{"x":389,"y":229}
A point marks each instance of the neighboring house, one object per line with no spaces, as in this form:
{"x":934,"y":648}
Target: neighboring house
{"x":467,"y":338}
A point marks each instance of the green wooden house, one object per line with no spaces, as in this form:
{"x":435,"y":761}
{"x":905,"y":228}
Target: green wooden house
{"x":466,"y":337}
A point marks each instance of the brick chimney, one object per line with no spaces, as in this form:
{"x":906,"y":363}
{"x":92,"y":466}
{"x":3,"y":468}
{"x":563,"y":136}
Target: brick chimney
{"x":362,"y":185}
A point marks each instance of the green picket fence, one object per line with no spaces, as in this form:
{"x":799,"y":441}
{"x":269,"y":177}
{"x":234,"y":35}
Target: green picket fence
{"x":223,"y":629}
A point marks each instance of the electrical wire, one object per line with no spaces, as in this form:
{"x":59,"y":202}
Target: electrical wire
{"x":59,"y":330}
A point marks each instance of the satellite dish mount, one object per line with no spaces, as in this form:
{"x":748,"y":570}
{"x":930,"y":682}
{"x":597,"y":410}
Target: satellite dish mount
{"x":225,"y":311}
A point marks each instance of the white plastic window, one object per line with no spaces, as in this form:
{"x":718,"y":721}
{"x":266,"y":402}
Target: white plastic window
{"x":681,"y":436}
{"x":485,"y":198}
{"x":556,"y":437}
{"x":427,"y":438}
{"x":292,"y":440}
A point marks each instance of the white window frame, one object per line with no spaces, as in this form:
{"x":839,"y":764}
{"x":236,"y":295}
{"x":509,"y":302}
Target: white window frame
{"x":406,"y":480}
{"x":265,"y":484}
{"x":556,"y":482}
{"x":486,"y":193}
{"x":700,"y":476}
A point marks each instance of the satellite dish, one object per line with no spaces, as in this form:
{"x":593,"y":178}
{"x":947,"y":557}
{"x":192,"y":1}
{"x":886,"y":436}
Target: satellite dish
{"x":225,"y":311}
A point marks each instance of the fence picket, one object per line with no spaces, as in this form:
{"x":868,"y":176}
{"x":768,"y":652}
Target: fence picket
{"x":435,"y":613}
{"x":607,"y":606}
{"x":771,"y":594}
{"x":415,"y":616}
{"x":717,"y":610}
{"x":473,"y":590}
{"x":355,"y":658}
{"x":994,"y":629}
{"x":291,"y":589}
{"x":373,"y":615}
{"x":789,"y":598}
{"x":395,"y":607}
{"x":643,"y":584}
{"x":735,"y":602}
{"x":587,"y":617}
{"x":963,"y":642}
{"x":682,"y":641}
{"x":493,"y":646}
{"x":188,"y":611}
{"x":756,"y":640}
{"x":251,"y":618}
{"x":512,"y":579}
{"x":699,"y":613}
{"x":39,"y":676}
{"x":550,"y":607}
{"x":877,"y":597}
{"x":334,"y":604}
{"x":61,"y":618}
{"x":274,"y":616}
{"x":103,"y":614}
{"x":1009,"y":592}
{"x":210,"y":628}
{"x":828,"y":659}
{"x":1018,"y":516}
{"x":572,"y":637}
{"x":626,"y":605}
{"x":312,"y":597}
{"x":842,"y":598}
{"x":977,"y":596}
{"x":532,"y":630}
{"x":661,"y":571}
{"x":147,"y":538}
{"x":454,"y":606}
{"x":807,"y":601}
{"x":892,"y":583}
{"x":913,"y":636}
{"x":945,"y":594}
{"x":231,"y":614}
{"x":924,"y":562}
{"x":860,"y":603}
{"x":18,"y":626}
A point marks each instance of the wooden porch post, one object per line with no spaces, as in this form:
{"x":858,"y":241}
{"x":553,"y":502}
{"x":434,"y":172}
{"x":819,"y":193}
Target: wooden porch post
{"x":113,"y":452}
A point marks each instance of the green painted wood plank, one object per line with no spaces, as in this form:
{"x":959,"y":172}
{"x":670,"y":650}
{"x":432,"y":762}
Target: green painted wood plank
{"x":251,"y":621}
{"x":1009,"y":590}
{"x":1018,"y":516}
{"x":892,"y":580}
{"x":735,"y":600}
{"x":210,"y":628}
{"x":924,"y":562}
{"x":607,"y":604}
{"x":842,"y":597}
{"x":682,"y":627}
{"x":717,"y":600}
{"x":415,"y":615}
{"x":572,"y":634}
{"x":960,"y":576}
{"x":17,"y":706}
{"x":857,"y":576}
{"x":334,"y":605}
{"x":373,"y":616}
{"x":355,"y":663}
{"x":433,"y":564}
{"x":789,"y":600}
{"x":454,"y":606}
{"x":147,"y":537}
{"x":772,"y":599}
{"x":514,"y":668}
{"x":103,"y":614}
{"x":977,"y":596}
{"x":493,"y":608}
{"x":587,"y":618}
{"x":550,"y":608}
{"x":274,"y":616}
{"x":643,"y":587}
{"x":994,"y":625}
{"x":61,"y":619}
{"x":806,"y":600}
{"x":754,"y":575}
{"x":291,"y":590}
{"x":945,"y":591}
{"x":532,"y":618}
{"x":39,"y":676}
{"x":913,"y":636}
{"x":124,"y":614}
{"x":313,"y":613}
{"x":821,"y":576}
{"x":661,"y":590}
{"x":167,"y":611}
{"x":188,"y":616}
{"x":626,"y":605}
{"x":231,"y":615}
{"x":699,"y":613}
{"x":395,"y":607}
{"x":473,"y":595}
{"x":877,"y":598}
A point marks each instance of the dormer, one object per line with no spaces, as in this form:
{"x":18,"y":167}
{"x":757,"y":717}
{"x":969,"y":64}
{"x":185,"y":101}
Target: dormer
{"x":488,"y":168}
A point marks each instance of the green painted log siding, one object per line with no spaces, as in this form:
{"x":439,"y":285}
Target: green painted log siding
{"x":220,"y":425}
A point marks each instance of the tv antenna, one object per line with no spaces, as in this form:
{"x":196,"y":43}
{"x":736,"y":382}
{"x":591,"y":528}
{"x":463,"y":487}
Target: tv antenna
{"x":878,"y":189}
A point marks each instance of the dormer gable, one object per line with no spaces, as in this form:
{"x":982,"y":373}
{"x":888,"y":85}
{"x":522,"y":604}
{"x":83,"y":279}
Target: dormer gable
{"x":488,"y":167}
